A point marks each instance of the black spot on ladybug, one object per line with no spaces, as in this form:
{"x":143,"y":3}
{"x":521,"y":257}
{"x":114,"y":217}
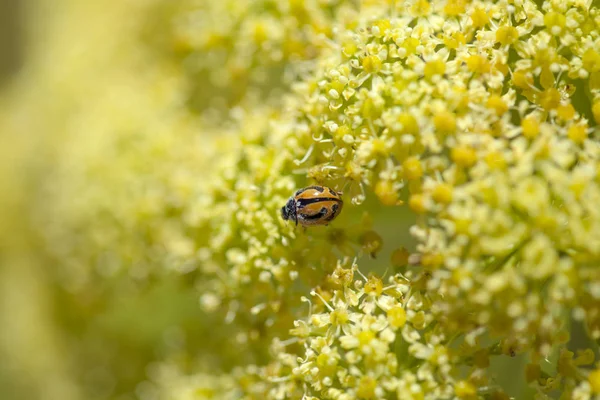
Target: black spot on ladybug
{"x":334,"y":209}
{"x":318,"y":215}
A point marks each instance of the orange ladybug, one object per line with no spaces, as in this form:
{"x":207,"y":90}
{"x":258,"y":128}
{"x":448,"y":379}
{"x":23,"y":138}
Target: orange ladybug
{"x":313,"y":205}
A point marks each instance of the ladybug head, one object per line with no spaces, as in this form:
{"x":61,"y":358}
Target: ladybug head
{"x":284,"y":213}
{"x":288,"y":211}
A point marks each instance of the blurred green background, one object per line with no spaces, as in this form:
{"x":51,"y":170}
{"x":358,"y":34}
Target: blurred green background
{"x":56,"y":341}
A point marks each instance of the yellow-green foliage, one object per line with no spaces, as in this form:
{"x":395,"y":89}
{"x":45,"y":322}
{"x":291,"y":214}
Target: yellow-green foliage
{"x":155,"y":143}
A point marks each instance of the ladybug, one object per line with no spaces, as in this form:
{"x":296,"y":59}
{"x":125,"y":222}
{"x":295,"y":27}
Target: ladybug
{"x":313,"y":205}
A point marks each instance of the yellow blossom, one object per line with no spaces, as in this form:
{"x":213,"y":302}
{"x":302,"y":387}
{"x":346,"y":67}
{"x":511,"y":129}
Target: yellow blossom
{"x":577,"y":133}
{"x":164,"y":190}
{"x":371,"y":64}
{"x":445,"y":122}
{"x":412,"y":168}
{"x":506,"y":35}
{"x":591,"y":60}
{"x":479,"y":17}
{"x":496,"y":103}
{"x":417,"y":203}
{"x":434,"y":67}
{"x":397,"y":317}
{"x":478,"y":64}
{"x":530,"y":126}
{"x":464,"y":156}
{"x":442,"y":193}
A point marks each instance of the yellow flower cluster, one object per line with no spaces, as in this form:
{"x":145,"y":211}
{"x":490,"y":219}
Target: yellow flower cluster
{"x":484,"y":116}
{"x":369,"y":341}
{"x":480,"y":119}
{"x":233,"y":50}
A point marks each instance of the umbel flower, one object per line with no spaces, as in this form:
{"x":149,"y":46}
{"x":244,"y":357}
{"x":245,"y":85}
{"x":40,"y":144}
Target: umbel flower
{"x":231,"y":50}
{"x":478,"y":120}
{"x":484,"y":117}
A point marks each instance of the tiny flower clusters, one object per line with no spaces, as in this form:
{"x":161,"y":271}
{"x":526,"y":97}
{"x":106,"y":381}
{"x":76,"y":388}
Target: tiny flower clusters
{"x":485,"y":117}
{"x":391,"y":101}
{"x":371,"y":340}
{"x":481,"y":116}
{"x":233,"y":49}
{"x":248,"y":244}
{"x":363,"y":339}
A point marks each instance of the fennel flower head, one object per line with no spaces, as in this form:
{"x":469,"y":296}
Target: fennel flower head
{"x":465,"y":137}
{"x":481,"y":118}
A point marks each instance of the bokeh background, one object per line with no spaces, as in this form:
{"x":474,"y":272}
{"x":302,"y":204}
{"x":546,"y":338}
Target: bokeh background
{"x":79,"y":82}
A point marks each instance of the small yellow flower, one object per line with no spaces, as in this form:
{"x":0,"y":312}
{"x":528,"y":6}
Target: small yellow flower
{"x":547,"y":77}
{"x":432,"y":260}
{"x":478,"y":64}
{"x":410,"y":45}
{"x":327,"y":363}
{"x":530,"y":127}
{"x":371,"y":64}
{"x":382,"y":27}
{"x":366,"y":388}
{"x":339,"y":316}
{"x":464,"y":156}
{"x":409,"y":124}
{"x":396,"y":317}
{"x":577,"y":133}
{"x":555,"y":22}
{"x":417,"y":203}
{"x":374,"y":286}
{"x":479,"y":17}
{"x":412,"y":169}
{"x":386,"y":193}
{"x":495,"y":160}
{"x":461,"y":226}
{"x":421,"y":7}
{"x":455,"y":40}
{"x":445,"y":122}
{"x":349,"y":47}
{"x":506,"y":35}
{"x":455,"y":7}
{"x":497,"y":104}
{"x":433,"y":68}
{"x":591,"y":60}
{"x":442,"y":193}
{"x":522,"y":79}
{"x":549,"y":99}
{"x":566,"y":112}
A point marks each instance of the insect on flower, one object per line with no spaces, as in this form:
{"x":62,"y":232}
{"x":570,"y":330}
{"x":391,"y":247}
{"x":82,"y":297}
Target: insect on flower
{"x":313,"y":205}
